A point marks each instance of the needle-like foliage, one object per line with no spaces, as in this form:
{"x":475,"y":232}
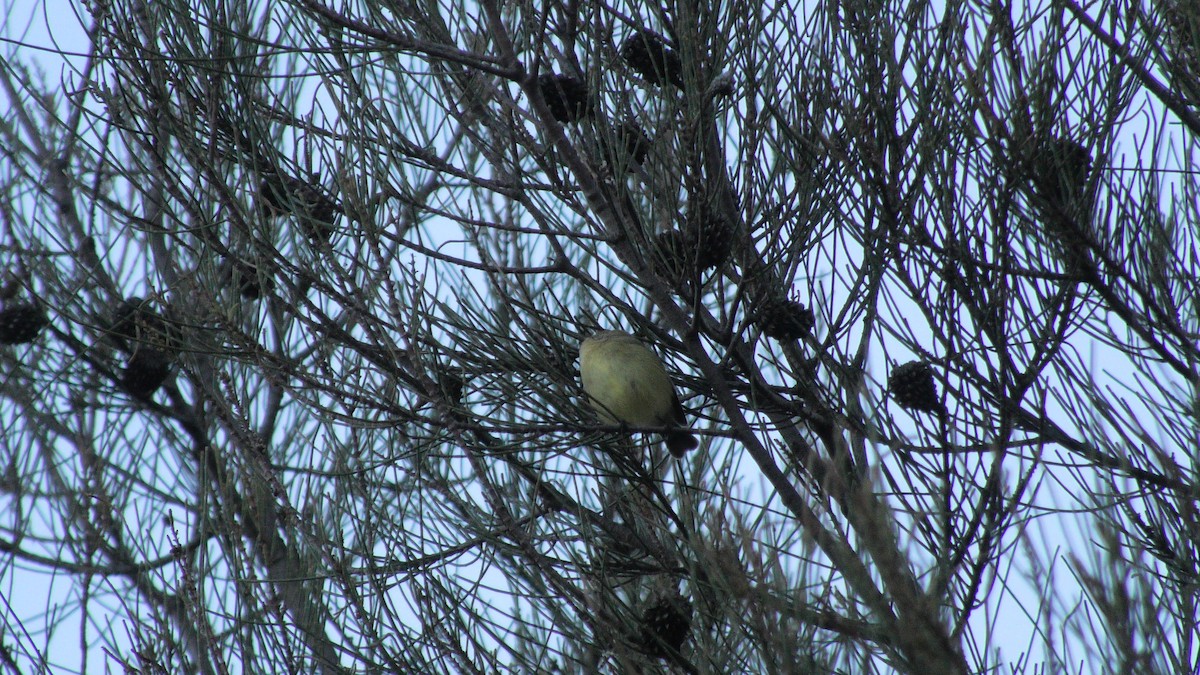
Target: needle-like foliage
{"x":292,"y":296}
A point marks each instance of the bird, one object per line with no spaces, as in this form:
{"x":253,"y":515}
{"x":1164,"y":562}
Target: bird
{"x":627,"y":384}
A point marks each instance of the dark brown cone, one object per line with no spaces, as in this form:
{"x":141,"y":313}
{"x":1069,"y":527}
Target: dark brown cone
{"x":785,"y":320}
{"x":629,"y":147}
{"x":1181,"y":40}
{"x":145,"y":372}
{"x":250,"y":283}
{"x":452,"y":384}
{"x":712,"y":237}
{"x":21,"y":323}
{"x":635,"y":141}
{"x":1059,"y":171}
{"x":665,"y":625}
{"x":683,"y":254}
{"x":913,"y":387}
{"x":135,"y":324}
{"x":566,"y":97}
{"x":650,"y":57}
{"x":316,"y":213}
{"x":675,"y":256}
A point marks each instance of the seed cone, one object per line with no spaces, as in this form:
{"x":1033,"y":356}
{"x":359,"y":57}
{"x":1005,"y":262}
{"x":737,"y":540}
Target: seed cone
{"x":665,"y":625}
{"x":712,"y":235}
{"x":21,"y":323}
{"x":135,"y":324}
{"x":452,"y":382}
{"x":785,"y":320}
{"x":566,"y":97}
{"x":316,"y":212}
{"x":650,"y":57}
{"x":703,"y":243}
{"x":1059,"y":171}
{"x":913,"y":387}
{"x":145,"y":372}
{"x":675,"y":256}
{"x":251,"y":284}
{"x":628,"y":147}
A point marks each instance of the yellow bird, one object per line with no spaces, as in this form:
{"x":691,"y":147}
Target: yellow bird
{"x":627,"y":384}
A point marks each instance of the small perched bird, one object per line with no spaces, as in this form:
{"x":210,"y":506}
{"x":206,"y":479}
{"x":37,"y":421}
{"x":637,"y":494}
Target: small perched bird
{"x":627,"y":384}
